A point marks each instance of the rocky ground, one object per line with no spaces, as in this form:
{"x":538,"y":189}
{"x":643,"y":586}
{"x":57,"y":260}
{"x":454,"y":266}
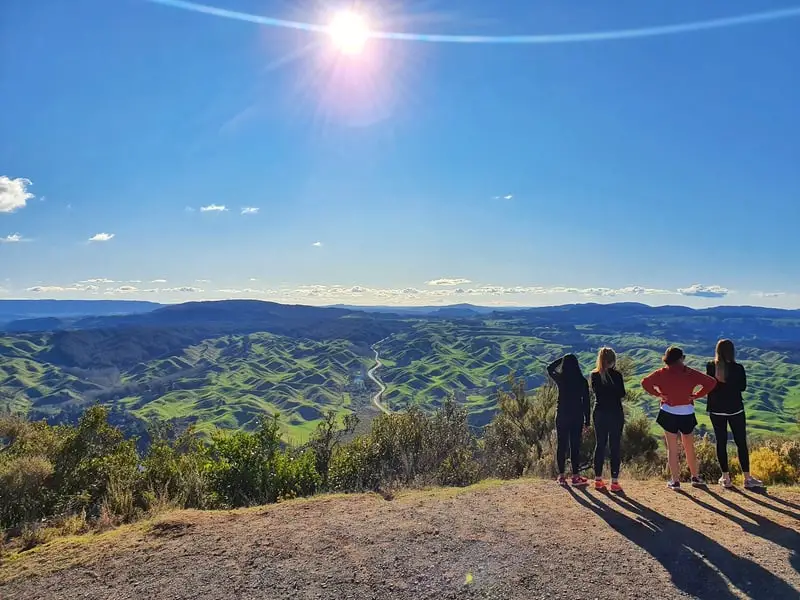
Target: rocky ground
{"x":525,"y":539}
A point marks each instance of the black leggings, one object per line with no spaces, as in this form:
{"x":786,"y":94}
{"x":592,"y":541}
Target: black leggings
{"x":608,"y":426}
{"x":569,"y":436}
{"x":739,"y":429}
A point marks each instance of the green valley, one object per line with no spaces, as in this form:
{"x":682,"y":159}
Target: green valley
{"x":224,"y":364}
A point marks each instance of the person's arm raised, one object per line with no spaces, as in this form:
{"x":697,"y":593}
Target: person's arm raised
{"x":552,"y":369}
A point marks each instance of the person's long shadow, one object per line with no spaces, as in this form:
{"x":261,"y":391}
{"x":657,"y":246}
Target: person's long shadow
{"x":762,"y":526}
{"x":698,"y":565}
{"x":756,"y":498}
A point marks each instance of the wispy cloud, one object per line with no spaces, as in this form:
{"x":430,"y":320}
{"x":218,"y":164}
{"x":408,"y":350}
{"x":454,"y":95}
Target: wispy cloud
{"x":13,"y":238}
{"x":123,"y":289}
{"x":59,"y":289}
{"x":202,"y":281}
{"x":14,"y":193}
{"x":250,"y":210}
{"x":506,"y":197}
{"x":184,"y":290}
{"x":159,"y":281}
{"x":98,"y":280}
{"x":214,"y":208}
{"x":448,"y":281}
{"x":769,"y":294}
{"x":704,"y":291}
{"x":317,"y":244}
{"x":101,"y":237}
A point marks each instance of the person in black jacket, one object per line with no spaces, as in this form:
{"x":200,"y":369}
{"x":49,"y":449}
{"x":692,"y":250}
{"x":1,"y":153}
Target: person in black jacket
{"x":726,"y":407}
{"x":609,"y":419}
{"x":572,"y":414}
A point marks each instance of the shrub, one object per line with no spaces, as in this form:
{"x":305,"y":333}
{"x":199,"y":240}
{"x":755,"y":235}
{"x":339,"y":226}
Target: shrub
{"x":175,"y":473}
{"x":406,"y":448}
{"x":767,"y":464}
{"x":23,"y":492}
{"x":327,"y":438}
{"x":249,"y":468}
{"x":520,"y":434}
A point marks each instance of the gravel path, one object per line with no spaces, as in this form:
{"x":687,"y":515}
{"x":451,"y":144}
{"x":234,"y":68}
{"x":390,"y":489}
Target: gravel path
{"x":518,"y":540}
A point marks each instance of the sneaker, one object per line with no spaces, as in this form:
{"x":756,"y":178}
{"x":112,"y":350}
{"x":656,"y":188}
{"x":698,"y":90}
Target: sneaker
{"x":674,"y":485}
{"x":751,"y":483}
{"x":725,"y":482}
{"x":600,"y":485}
{"x":699,"y":481}
{"x":579,"y":481}
{"x":616,"y":487}
{"x":561,"y":480}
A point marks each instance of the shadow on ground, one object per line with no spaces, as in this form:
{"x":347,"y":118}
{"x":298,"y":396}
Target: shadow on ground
{"x":698,"y":565}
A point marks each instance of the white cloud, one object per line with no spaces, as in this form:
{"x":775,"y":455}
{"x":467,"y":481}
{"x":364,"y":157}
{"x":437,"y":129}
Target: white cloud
{"x":123,"y":289}
{"x":101,"y":237}
{"x":13,"y":193}
{"x":317,"y":244}
{"x":250,"y":210}
{"x":214,"y":208}
{"x":59,"y":289}
{"x":159,"y":281}
{"x":704,"y":291}
{"x":98,"y":280}
{"x":769,"y":294}
{"x":202,"y":281}
{"x":13,"y":238}
{"x":505,"y":197}
{"x":184,"y":290}
{"x":253,"y":279}
{"x":448,"y":281}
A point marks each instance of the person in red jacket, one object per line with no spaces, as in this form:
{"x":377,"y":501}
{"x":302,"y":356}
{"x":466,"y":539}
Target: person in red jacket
{"x":676,"y":386}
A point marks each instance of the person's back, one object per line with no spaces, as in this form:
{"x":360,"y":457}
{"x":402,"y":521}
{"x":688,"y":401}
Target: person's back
{"x":676,"y":384}
{"x":572,"y":414}
{"x":608,"y":391}
{"x":726,"y":397}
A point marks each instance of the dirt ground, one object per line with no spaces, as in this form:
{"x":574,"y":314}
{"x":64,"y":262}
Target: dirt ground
{"x":525,"y":539}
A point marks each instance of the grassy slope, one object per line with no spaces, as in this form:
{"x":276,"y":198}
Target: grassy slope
{"x":223,"y":382}
{"x":230,"y":380}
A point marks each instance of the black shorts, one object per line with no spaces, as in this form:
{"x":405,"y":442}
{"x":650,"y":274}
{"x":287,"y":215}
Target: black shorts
{"x":676,"y":423}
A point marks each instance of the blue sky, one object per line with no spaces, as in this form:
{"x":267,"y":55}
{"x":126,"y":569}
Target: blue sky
{"x":659,"y":169}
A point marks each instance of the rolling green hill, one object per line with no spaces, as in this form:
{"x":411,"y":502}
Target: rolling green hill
{"x":224,"y":364}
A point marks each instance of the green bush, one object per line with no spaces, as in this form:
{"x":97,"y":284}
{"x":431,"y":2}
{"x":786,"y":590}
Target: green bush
{"x":23,"y":489}
{"x":250,"y":468}
{"x":407,"y":448}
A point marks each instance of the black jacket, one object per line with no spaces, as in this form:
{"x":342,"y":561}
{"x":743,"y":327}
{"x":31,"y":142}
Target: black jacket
{"x":573,"y":394}
{"x":726,"y":397}
{"x":608,"y":395}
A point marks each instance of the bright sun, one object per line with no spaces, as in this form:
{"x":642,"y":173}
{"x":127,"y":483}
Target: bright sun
{"x":349,"y":32}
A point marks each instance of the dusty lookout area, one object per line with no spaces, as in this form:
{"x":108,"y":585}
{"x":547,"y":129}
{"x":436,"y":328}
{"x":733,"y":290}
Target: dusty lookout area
{"x":524,"y":539}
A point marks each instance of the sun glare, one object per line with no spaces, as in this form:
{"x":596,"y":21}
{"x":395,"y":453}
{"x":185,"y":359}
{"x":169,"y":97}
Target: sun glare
{"x":349,"y":32}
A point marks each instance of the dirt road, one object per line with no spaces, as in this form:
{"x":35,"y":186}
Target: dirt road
{"x":525,"y":539}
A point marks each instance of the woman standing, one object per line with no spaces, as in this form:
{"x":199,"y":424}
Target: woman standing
{"x":609,"y":419}
{"x":726,"y":407}
{"x":572,"y":414}
{"x":675,"y":386}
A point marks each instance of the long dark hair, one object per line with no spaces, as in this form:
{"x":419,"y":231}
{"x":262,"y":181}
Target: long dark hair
{"x":725,"y":354}
{"x":571,"y":368}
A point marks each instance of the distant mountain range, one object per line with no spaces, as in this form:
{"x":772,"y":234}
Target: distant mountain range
{"x":225,"y":363}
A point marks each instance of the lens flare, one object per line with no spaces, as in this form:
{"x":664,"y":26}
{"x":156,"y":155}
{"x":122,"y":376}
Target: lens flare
{"x":349,"y":32}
